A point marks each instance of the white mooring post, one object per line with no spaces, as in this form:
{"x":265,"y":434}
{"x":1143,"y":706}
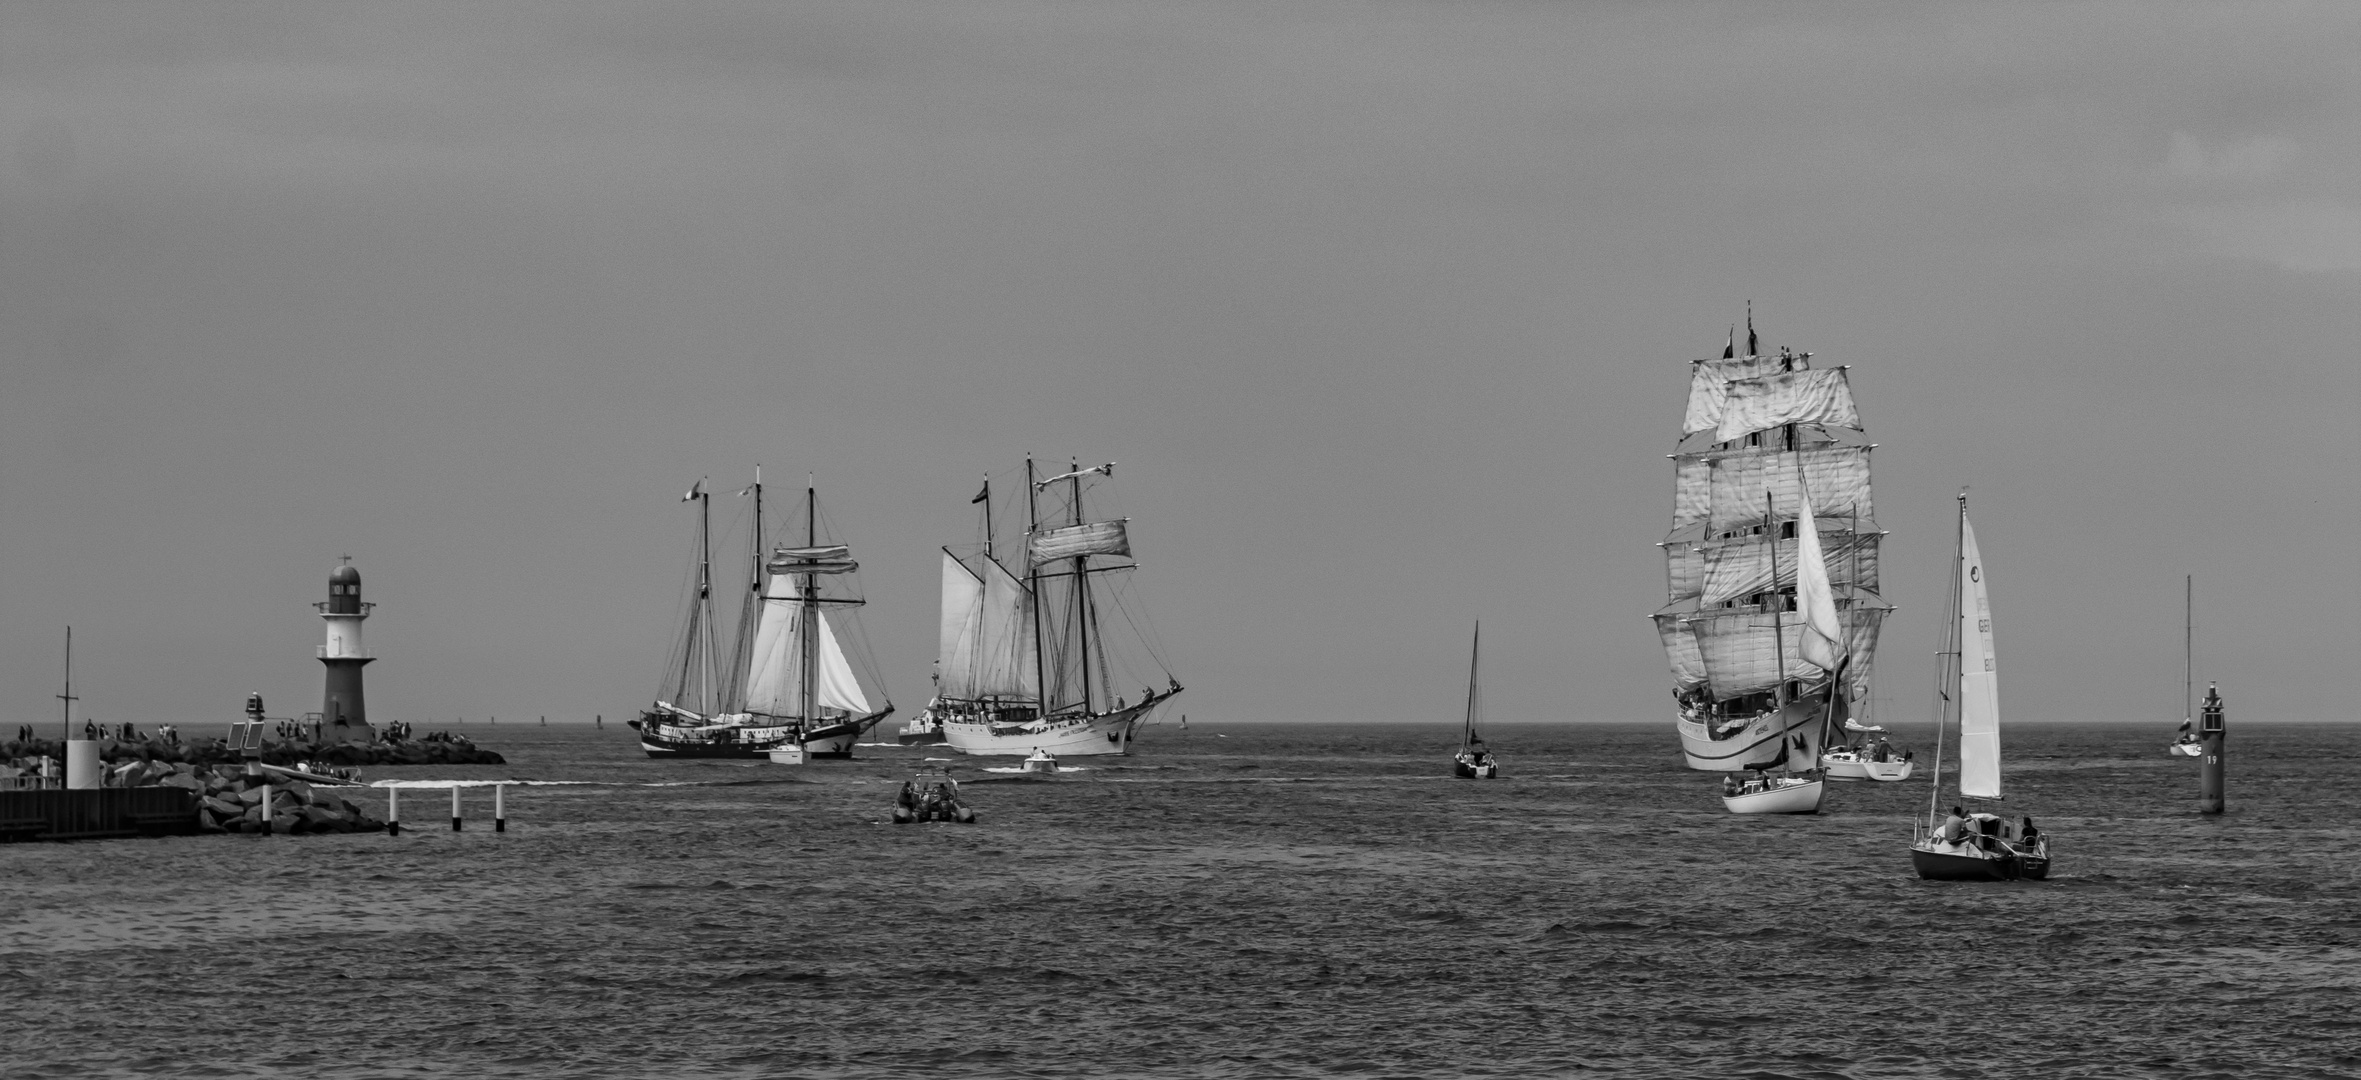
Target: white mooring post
{"x":499,"y":808}
{"x":393,"y":811}
{"x":454,"y":808}
{"x":266,"y":809}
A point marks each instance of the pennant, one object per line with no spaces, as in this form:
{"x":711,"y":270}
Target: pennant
{"x":695,"y":490}
{"x":984,"y":494}
{"x":1751,"y":348}
{"x":1730,"y":351}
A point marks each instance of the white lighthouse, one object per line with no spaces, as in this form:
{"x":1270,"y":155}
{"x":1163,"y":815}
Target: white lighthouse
{"x":344,"y":714}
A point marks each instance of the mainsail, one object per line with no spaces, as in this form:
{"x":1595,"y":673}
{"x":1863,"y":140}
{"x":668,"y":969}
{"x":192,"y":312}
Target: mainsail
{"x":774,"y":683}
{"x":1979,"y":676}
{"x":988,"y":646}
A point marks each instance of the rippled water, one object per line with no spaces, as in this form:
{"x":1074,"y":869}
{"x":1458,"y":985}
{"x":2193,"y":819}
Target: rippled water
{"x":1243,"y":901}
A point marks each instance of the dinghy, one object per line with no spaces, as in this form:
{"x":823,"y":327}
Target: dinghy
{"x":1041,"y":762}
{"x":1973,"y":846}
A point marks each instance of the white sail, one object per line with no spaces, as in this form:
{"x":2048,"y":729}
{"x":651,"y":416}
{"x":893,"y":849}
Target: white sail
{"x":774,"y":681}
{"x":833,"y":683}
{"x":1709,"y":382}
{"x":1744,"y":652}
{"x":962,"y":614}
{"x":1728,"y":570}
{"x":1680,"y":647}
{"x":1822,"y":641}
{"x":1725,"y":488}
{"x":1816,"y":396}
{"x":774,"y":671}
{"x":1979,"y":676}
{"x":1005,"y":665}
{"x":1072,"y":541}
{"x":1685,"y":567}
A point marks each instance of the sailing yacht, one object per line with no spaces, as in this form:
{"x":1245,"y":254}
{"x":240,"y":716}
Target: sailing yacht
{"x":2188,"y":744}
{"x":1474,"y":761}
{"x":791,"y":684}
{"x":1977,"y":846}
{"x":1022,"y":663}
{"x":1761,"y":433}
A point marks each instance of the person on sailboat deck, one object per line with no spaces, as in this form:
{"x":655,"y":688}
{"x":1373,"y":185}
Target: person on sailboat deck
{"x":2028,"y":833}
{"x":1729,"y":783}
{"x":1955,"y":827}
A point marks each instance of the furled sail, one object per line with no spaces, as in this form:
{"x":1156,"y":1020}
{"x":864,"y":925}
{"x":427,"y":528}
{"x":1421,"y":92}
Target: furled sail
{"x":1738,"y":568}
{"x":1073,"y":541}
{"x":1979,"y":676}
{"x":1725,"y":490}
{"x":827,"y":560}
{"x":962,"y":614}
{"x":1742,"y":650}
{"x":1813,"y":396}
{"x":1708,"y":383}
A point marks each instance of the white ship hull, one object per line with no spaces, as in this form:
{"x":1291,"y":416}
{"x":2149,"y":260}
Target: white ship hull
{"x":1103,"y":734}
{"x":1762,"y":744}
{"x":1788,"y":797}
{"x":1847,"y":767}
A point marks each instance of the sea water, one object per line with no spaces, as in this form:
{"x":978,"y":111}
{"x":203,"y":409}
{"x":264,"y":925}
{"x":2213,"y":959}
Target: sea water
{"x":1230,"y":901}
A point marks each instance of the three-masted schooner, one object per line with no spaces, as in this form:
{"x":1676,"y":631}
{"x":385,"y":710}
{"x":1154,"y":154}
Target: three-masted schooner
{"x":1022,"y":662}
{"x":1762,"y":434}
{"x":791,"y":681}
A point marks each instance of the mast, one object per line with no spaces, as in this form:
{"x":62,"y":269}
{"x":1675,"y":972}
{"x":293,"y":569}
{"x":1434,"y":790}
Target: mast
{"x":1081,"y":589}
{"x":1033,"y":582}
{"x":810,"y":590}
{"x":1778,"y":643}
{"x":2188,"y":646}
{"x":986,"y":499}
{"x":705,"y":595}
{"x":1946,"y":658}
{"x":68,"y":698}
{"x":1467,"y":737}
{"x":752,"y":612}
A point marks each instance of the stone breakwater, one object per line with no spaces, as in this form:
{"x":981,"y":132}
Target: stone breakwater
{"x":228,"y":800}
{"x":23,"y":755}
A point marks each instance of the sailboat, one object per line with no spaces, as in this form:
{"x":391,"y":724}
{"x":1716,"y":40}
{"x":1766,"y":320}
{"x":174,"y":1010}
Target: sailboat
{"x":2188,"y":744}
{"x":1974,"y":846}
{"x":1474,"y":761}
{"x":1760,"y":433}
{"x":1022,"y":663}
{"x":792,"y":690}
{"x":1819,"y":642}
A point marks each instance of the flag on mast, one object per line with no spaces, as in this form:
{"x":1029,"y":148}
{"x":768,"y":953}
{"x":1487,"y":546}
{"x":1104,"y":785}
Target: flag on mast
{"x":980,"y":496}
{"x":1751,"y":348}
{"x":695,"y":490}
{"x":1730,"y":351}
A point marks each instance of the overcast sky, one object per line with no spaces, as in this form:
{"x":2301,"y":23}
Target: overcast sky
{"x":1383,"y":309}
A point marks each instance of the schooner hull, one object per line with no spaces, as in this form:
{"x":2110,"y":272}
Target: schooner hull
{"x":1762,"y":744}
{"x":752,"y":742}
{"x":1098,"y":735}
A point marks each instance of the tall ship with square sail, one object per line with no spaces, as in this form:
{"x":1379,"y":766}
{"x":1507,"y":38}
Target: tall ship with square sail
{"x":1763,"y":434}
{"x":1025,"y":659}
{"x":795,"y":673}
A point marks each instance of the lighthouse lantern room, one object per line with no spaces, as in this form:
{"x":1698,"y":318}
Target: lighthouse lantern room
{"x":344,"y":714}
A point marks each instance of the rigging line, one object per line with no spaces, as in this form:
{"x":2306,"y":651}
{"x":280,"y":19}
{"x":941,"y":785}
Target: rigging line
{"x":1146,"y":636}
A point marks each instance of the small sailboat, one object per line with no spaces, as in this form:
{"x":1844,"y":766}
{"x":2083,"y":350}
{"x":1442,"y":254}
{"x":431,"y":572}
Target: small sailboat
{"x":1976,"y":846}
{"x":1022,"y":661}
{"x":2188,"y":744}
{"x":1821,"y":642}
{"x":1474,"y":760}
{"x":1863,"y":758}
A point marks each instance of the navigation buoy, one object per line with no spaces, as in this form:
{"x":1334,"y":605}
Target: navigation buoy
{"x":2212,"y":738}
